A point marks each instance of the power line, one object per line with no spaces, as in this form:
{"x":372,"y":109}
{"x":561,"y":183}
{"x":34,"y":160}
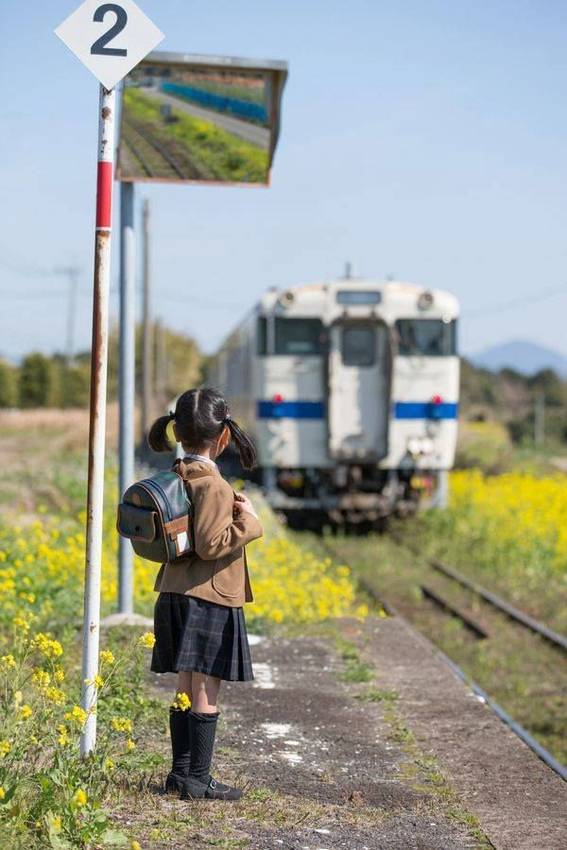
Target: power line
{"x":502,"y":306}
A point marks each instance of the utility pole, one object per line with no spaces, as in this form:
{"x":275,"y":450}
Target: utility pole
{"x":72,"y":274}
{"x":160,"y":363}
{"x":539,"y":418}
{"x":126,"y":385}
{"x":147,"y":334}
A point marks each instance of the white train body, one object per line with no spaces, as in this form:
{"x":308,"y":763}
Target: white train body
{"x":349,"y":388}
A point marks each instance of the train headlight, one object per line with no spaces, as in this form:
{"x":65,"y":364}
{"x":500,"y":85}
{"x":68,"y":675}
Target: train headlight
{"x":287,"y":298}
{"x":420,"y":446}
{"x":425,"y":300}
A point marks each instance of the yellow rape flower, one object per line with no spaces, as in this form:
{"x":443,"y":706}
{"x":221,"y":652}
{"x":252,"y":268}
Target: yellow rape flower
{"x":55,"y":695}
{"x":2,"y":792}
{"x":5,"y":747}
{"x":134,"y":845}
{"x":109,"y":764}
{"x":80,"y":798}
{"x":77,"y":715}
{"x":25,"y":711}
{"x":181,"y":701}
{"x":130,"y":745}
{"x":41,"y":678}
{"x":106,"y":656}
{"x":47,"y":646}
{"x":59,"y":675}
{"x":97,"y":681}
{"x":63,"y":738}
{"x":147,"y":640}
{"x":7,"y":662}
{"x":121,"y":724}
{"x":22,"y":624}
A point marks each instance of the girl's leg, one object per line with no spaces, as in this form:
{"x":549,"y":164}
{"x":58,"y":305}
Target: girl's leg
{"x":202,"y":726}
{"x":179,"y":727}
{"x":184,"y":682}
{"x":204,"y":693}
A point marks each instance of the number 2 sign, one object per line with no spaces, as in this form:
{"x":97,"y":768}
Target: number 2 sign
{"x":109,"y":38}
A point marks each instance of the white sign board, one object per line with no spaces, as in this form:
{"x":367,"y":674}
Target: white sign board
{"x":109,"y":38}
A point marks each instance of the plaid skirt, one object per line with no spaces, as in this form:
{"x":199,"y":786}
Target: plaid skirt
{"x":193,"y":634}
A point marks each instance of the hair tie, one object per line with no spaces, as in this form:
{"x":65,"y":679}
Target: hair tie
{"x":227,"y":419}
{"x":171,"y":415}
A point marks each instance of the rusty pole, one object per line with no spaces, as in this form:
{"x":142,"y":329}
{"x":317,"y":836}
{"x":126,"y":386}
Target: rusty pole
{"x":97,"y":430}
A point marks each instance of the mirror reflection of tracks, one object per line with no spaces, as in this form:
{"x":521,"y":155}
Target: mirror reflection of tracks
{"x":156,"y":157}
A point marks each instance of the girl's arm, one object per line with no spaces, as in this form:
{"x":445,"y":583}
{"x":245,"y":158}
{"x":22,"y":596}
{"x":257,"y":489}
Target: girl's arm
{"x":217,"y":533}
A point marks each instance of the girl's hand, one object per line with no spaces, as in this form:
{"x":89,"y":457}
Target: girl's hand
{"x":243,"y":503}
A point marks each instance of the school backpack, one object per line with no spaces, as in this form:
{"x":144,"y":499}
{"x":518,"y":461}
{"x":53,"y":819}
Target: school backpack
{"x":156,"y":516}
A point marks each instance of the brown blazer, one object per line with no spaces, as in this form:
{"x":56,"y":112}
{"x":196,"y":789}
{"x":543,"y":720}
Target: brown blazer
{"x":217,"y":570}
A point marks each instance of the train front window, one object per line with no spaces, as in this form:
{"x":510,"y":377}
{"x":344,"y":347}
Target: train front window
{"x":299,"y":336}
{"x":426,"y":337}
{"x":359,"y":346}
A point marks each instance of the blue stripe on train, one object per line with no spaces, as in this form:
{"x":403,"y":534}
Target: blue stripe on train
{"x":316,"y":410}
{"x":425,"y":410}
{"x":290,"y":409}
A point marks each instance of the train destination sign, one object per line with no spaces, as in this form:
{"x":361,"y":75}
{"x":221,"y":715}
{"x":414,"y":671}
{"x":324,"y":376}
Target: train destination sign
{"x":211,"y":119}
{"x":109,"y":38}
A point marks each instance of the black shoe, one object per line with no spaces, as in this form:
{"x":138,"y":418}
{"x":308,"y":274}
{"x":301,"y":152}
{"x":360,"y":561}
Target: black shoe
{"x":174,"y":783}
{"x":180,"y":745}
{"x":193,"y":789}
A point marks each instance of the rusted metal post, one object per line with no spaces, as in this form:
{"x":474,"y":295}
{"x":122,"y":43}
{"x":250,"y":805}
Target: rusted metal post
{"x":97,"y":431}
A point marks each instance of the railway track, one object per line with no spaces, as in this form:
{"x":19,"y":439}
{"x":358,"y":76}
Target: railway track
{"x":159,"y":160}
{"x":478,"y":628}
{"x":557,"y":640}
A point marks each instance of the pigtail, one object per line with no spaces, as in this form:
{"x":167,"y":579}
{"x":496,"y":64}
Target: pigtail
{"x":243,"y":443}
{"x":157,"y":437}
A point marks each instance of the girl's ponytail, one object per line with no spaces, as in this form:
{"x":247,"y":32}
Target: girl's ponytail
{"x":243,"y":443}
{"x":157,"y":438}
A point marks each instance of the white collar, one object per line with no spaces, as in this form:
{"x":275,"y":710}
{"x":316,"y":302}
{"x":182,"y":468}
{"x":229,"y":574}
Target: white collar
{"x":202,"y":458}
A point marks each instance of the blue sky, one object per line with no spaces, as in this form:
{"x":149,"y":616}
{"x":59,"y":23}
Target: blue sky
{"x":424,"y":140}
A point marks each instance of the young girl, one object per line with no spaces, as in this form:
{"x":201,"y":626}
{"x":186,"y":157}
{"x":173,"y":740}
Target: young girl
{"x":199,"y":621}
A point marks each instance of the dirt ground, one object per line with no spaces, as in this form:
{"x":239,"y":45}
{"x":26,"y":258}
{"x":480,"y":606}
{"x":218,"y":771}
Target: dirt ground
{"x":328,"y":763}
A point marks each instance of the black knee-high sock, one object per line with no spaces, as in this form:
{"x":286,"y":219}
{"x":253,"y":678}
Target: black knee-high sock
{"x":179,"y":724}
{"x":202,"y":730}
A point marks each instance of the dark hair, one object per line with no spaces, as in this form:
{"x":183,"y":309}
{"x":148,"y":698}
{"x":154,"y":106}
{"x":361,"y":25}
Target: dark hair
{"x":200,"y":416}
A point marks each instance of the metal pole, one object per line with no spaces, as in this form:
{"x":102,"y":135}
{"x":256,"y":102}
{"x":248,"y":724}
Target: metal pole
{"x":99,"y":368}
{"x":539,"y":418}
{"x":442,"y":488}
{"x":147,"y":335}
{"x":126,"y":387}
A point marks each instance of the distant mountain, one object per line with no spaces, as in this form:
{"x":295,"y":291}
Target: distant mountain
{"x":524,"y":357}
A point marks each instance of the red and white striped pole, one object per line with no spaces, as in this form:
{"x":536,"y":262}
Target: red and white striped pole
{"x":97,"y":430}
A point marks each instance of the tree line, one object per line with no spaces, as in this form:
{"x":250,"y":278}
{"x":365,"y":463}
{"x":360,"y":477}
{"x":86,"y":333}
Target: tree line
{"x":55,"y":381}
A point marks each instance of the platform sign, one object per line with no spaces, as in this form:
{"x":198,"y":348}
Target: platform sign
{"x":109,"y":38}
{"x":200,"y":119}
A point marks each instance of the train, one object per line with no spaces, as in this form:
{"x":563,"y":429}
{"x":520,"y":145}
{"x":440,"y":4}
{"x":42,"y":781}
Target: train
{"x":350,"y":390}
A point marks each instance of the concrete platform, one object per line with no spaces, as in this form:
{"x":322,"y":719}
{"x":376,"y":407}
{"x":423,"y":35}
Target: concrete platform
{"x":520,"y":802}
{"x":403,"y":757}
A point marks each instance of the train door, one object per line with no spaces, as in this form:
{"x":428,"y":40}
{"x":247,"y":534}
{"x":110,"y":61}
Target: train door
{"x":359,"y":388}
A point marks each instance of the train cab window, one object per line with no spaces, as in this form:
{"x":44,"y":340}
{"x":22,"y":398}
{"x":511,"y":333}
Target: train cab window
{"x":262,"y":336}
{"x":426,"y":337}
{"x":298,"y":336}
{"x":358,"y":346}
